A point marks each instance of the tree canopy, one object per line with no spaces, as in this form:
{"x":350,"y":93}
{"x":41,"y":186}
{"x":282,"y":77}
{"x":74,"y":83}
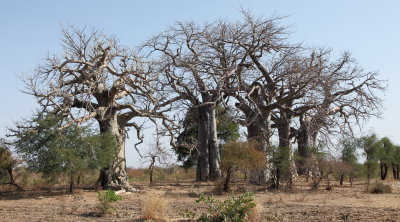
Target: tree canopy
{"x":49,"y":148}
{"x":278,"y":89}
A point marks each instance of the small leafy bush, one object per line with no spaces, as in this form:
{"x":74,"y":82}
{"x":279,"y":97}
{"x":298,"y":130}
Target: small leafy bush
{"x":234,"y":208}
{"x":106,"y":199}
{"x":379,"y":187}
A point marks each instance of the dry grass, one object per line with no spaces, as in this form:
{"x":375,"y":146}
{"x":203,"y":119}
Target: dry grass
{"x":273,"y":218}
{"x":380,"y":187}
{"x":344,"y":203}
{"x":154,"y":207}
{"x":255,"y":214}
{"x":71,"y":204}
{"x":170,"y":174}
{"x":301,"y":197}
{"x":218,"y":188}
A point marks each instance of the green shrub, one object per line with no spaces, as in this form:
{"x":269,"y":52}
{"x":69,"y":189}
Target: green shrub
{"x":234,"y":208}
{"x":379,"y":187}
{"x":106,"y":199}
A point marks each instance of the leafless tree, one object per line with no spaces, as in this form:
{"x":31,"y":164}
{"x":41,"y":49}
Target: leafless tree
{"x":324,"y":95}
{"x":303,"y":95}
{"x":346,"y":96}
{"x":278,"y":80}
{"x":275,"y":84}
{"x":262,"y":41}
{"x":97,"y":78}
{"x":157,"y":154}
{"x":198,"y":62}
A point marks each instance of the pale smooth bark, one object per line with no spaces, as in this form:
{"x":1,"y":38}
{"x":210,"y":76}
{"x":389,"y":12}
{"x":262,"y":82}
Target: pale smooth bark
{"x":115,"y":176}
{"x":208,"y":167}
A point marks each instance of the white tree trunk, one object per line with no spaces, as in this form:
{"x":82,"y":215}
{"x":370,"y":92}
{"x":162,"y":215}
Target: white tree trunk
{"x":215,"y":169}
{"x":115,"y":176}
{"x":208,"y":167}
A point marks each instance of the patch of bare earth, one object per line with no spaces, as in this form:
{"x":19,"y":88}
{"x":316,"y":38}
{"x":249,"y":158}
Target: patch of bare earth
{"x":342,"y":203}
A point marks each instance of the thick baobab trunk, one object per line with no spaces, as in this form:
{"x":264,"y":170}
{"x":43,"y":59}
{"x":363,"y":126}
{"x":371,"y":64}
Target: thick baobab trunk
{"x":283,"y":132}
{"x":259,"y":132}
{"x":303,"y":142}
{"x":203,"y":166}
{"x":283,"y":158}
{"x":306,"y":139}
{"x":341,"y":179}
{"x":215,"y":169}
{"x":285,"y":168}
{"x":208,"y":167}
{"x":115,"y":176}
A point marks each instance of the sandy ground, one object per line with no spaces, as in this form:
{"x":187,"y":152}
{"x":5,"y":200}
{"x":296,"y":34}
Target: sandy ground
{"x":342,"y":203}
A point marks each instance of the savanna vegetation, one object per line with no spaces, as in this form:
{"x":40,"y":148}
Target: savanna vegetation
{"x":241,"y":110}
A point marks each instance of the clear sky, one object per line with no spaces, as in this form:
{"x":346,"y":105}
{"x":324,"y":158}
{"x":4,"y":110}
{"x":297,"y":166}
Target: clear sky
{"x":29,"y":30}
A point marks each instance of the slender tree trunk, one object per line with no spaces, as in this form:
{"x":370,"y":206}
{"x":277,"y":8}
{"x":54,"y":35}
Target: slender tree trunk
{"x":71,"y":183}
{"x":395,"y":170}
{"x":115,"y":176}
{"x":341,"y":179}
{"x":351,"y":179}
{"x":151,"y":174}
{"x":384,"y":169}
{"x":78,"y":180}
{"x":151,"y":168}
{"x":227,"y":182}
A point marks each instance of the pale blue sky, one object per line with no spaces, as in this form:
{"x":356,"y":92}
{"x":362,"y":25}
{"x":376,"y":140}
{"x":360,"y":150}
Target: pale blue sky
{"x":370,"y":30}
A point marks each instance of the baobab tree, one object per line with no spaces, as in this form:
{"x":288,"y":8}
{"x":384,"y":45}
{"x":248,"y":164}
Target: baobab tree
{"x":278,"y":80}
{"x":96,"y":78}
{"x":227,"y":130}
{"x":197,"y":62}
{"x":346,"y":95}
